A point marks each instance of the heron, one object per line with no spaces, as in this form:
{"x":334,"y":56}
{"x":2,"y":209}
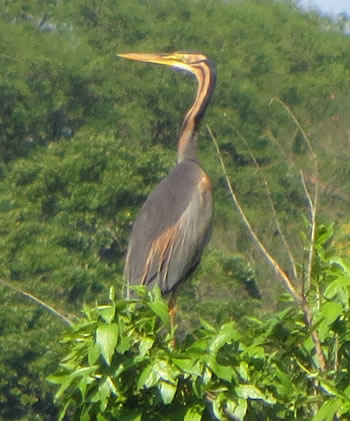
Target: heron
{"x":174,"y":224}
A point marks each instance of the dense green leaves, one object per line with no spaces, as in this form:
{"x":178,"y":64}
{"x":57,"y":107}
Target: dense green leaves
{"x":214,"y":373}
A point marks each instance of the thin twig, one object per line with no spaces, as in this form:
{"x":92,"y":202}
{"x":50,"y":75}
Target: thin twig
{"x":272,"y":137}
{"x":313,"y":203}
{"x":302,"y":131}
{"x":273,"y":209}
{"x":313,"y":210}
{"x":300,"y":299}
{"x":283,"y":276}
{"x":38,"y":301}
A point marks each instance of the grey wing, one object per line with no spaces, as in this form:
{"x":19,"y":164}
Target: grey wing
{"x":171,"y":230}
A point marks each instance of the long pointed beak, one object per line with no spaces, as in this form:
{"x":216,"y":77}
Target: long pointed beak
{"x":167,"y":59}
{"x":150,"y":58}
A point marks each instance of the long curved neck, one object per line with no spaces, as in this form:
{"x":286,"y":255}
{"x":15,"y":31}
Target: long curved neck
{"x":206,"y":77}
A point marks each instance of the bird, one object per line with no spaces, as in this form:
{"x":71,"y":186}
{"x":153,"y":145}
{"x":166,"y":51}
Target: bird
{"x":174,"y":224}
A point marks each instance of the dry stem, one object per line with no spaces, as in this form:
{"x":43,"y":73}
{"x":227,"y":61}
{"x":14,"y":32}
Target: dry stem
{"x":38,"y":301}
{"x":273,"y":209}
{"x":286,"y":281}
{"x":280,"y":272}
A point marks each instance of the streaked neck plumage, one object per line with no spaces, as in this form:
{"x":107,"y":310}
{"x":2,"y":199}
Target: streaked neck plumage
{"x":205,"y":73}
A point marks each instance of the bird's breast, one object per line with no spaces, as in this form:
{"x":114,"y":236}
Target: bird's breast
{"x":204,"y":184}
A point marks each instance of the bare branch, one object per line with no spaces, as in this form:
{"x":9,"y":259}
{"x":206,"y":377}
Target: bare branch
{"x":38,"y":301}
{"x":273,"y":209}
{"x":313,"y":211}
{"x":280,"y":272}
{"x":313,"y":203}
{"x":302,"y":131}
{"x":272,"y":137}
{"x":299,"y":298}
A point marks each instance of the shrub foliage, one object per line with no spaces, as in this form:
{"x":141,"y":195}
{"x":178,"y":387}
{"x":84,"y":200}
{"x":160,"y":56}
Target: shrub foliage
{"x":123,"y":362}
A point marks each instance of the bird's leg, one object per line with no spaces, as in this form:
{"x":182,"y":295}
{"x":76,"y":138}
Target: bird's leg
{"x":172,"y":314}
{"x":172,"y":310}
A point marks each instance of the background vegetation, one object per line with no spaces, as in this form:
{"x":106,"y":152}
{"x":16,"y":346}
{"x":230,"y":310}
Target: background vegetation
{"x":84,"y":137}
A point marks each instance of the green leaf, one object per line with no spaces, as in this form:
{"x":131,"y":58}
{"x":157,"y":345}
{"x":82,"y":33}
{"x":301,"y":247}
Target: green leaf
{"x":160,"y":308}
{"x":285,"y":386}
{"x":188,"y":365}
{"x":336,"y":285}
{"x":64,"y":386}
{"x":148,"y":378}
{"x":343,"y":264}
{"x":111,"y":295}
{"x":241,"y":409}
{"x":249,"y":391}
{"x":325,"y":233}
{"x":226,"y":334}
{"x":331,"y":311}
{"x":111,"y":385}
{"x":207,"y":376}
{"x":243,"y":370}
{"x":107,"y":313}
{"x":124,"y":344}
{"x":218,"y":406}
{"x":106,"y":339}
{"x":104,"y":394}
{"x":329,"y":387}
{"x":167,"y":391}
{"x":64,"y":409}
{"x":93,"y":353}
{"x":223,"y":372}
{"x":207,"y":326}
{"x":146,"y":344}
{"x":236,"y":410}
{"x":328,"y":410}
{"x":57,"y":378}
{"x":165,"y":370}
{"x":194,"y":413}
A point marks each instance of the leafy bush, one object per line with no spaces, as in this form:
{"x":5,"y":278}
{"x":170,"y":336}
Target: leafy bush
{"x":123,"y":363}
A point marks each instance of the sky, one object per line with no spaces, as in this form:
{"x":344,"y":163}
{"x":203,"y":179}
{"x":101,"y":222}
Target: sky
{"x":329,"y":7}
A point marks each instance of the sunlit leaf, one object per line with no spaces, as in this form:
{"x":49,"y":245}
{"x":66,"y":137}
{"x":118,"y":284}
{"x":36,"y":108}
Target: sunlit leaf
{"x":334,"y":287}
{"x":210,"y":328}
{"x":243,"y":370}
{"x":329,"y":387}
{"x":167,"y":391}
{"x":226,"y":334}
{"x":148,"y":378}
{"x":194,"y":413}
{"x":249,"y":391}
{"x":145,"y":344}
{"x":124,"y":344}
{"x":187,"y":365}
{"x":106,"y":339}
{"x":331,"y":311}
{"x":328,"y":410}
{"x":160,"y":308}
{"x":111,"y":294}
{"x":93,"y":353}
{"x":64,"y":409}
{"x":107,"y":313}
{"x":165,"y":370}
{"x":223,"y":372}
